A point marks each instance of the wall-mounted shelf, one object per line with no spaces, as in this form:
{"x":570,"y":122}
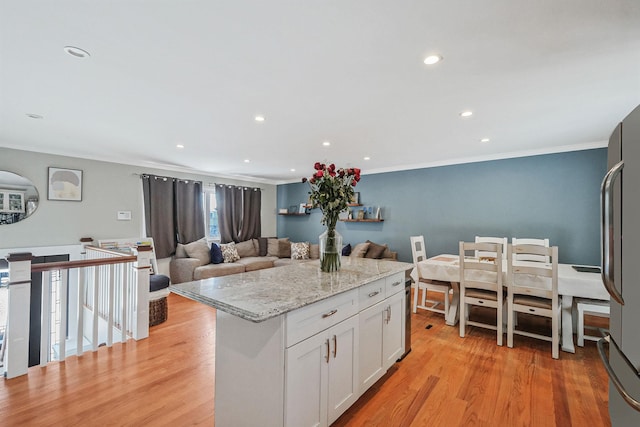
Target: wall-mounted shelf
{"x":362,"y":220}
{"x":294,"y":214}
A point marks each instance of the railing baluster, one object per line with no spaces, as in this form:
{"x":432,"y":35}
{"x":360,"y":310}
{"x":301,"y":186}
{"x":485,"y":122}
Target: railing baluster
{"x":82,"y":277}
{"x":64,"y":276}
{"x":124,"y":308}
{"x":45,"y":331}
{"x":96,"y":294}
{"x":110,"y":305}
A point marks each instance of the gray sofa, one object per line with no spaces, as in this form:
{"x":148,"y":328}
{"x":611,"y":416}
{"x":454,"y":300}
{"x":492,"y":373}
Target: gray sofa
{"x":193,"y":261}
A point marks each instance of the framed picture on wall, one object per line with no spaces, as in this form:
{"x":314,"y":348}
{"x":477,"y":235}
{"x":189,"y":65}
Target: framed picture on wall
{"x":355,"y":199}
{"x":64,"y":184}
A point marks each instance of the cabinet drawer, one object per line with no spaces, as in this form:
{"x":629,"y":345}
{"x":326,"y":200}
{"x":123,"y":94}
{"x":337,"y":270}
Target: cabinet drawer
{"x":308,"y":321}
{"x":371,"y":293}
{"x":395,"y":284}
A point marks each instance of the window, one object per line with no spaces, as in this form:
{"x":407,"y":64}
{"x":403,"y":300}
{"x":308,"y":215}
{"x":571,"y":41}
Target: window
{"x":211,"y":215}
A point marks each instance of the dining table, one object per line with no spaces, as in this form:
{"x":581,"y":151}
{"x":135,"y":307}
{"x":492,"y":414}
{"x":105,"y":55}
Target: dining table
{"x":571,"y":283}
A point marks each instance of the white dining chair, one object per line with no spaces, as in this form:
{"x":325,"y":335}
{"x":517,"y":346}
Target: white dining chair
{"x":531,"y":257}
{"x":483,"y":239}
{"x":532,"y":288}
{"x":481,"y":285}
{"x":419,"y":252}
{"x":590,"y":307}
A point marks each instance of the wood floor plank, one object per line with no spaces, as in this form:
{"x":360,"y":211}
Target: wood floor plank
{"x":168,"y":380}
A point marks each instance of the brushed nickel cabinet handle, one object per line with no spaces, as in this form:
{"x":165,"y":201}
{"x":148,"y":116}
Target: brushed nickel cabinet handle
{"x":335,"y":346}
{"x":329,"y":314}
{"x":396,"y":283}
{"x":373,"y":294}
{"x":328,"y":351}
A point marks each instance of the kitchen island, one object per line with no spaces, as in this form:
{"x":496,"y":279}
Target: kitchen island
{"x":296,"y":346}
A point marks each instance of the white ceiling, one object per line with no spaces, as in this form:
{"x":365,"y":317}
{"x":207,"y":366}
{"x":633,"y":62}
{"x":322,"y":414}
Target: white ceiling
{"x":540,"y":76}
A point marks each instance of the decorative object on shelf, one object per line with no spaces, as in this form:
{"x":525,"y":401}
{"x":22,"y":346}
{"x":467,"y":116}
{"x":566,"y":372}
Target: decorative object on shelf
{"x":361,"y":214}
{"x":283,"y":211}
{"x":65,"y":184}
{"x":331,"y":191}
{"x":355,"y":200}
{"x":303,"y":208}
{"x":293,"y":209}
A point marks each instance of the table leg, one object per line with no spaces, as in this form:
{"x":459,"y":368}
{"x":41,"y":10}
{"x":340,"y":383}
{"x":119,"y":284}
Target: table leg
{"x":452,"y":315}
{"x":567,"y":324}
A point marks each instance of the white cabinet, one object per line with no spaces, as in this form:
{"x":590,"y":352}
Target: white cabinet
{"x":381,"y":334}
{"x":322,"y":375}
{"x":393,"y":329}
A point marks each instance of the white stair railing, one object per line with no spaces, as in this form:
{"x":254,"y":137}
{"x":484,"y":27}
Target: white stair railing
{"x":112,"y":300}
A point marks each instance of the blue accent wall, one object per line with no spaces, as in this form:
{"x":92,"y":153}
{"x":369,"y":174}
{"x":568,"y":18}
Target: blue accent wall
{"x":553,"y":196}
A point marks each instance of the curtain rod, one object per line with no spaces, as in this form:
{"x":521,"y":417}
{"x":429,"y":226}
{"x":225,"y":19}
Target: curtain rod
{"x":147,"y":175}
{"x":215,"y":184}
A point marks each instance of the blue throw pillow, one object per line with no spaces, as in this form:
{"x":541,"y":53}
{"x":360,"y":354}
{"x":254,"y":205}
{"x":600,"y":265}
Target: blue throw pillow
{"x":346,"y":251}
{"x":216,"y":254}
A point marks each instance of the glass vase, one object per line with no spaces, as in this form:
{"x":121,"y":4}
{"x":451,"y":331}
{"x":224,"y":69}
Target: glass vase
{"x":330,"y":250}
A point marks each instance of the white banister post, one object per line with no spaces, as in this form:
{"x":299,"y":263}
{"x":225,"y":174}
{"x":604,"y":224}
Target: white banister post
{"x":141,"y":316}
{"x":17,"y":333}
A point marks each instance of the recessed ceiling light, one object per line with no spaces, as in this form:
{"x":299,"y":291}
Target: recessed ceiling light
{"x":292,"y":170}
{"x":466,"y":114}
{"x":485,"y":140}
{"x":326,"y":143}
{"x":76,"y":51}
{"x":247,"y":160}
{"x":259,"y":118}
{"x":179,"y":146}
{"x":367,"y":158}
{"x":34,"y":116}
{"x":432,"y":59}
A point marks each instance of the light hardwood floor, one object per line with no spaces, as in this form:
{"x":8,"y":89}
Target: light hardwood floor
{"x":445,"y":381}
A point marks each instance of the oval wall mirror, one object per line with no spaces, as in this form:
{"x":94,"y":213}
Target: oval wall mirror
{"x":18,"y":198}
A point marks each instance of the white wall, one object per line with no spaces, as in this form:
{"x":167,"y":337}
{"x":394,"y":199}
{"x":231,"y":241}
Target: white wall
{"x":107,"y":188}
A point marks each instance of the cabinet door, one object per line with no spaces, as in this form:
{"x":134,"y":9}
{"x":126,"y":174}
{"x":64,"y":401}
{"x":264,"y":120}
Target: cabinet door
{"x":343,"y":367}
{"x":371,"y":359}
{"x":306,"y":382}
{"x":392,"y":339}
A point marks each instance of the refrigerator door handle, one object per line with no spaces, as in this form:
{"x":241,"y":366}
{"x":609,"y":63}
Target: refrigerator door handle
{"x":612,"y":375}
{"x":606,"y":194}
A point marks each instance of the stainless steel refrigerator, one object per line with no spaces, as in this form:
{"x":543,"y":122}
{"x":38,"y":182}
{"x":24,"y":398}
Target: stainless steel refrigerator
{"x":621,"y":270}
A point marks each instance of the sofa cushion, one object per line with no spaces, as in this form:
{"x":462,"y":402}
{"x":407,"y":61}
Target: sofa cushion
{"x":300,"y":250}
{"x":360,"y":250}
{"x":375,"y":250}
{"x":199,"y":250}
{"x":217,"y":270}
{"x":273,"y":246}
{"x":246,"y":249}
{"x":284,"y":249}
{"x":346,"y":251}
{"x":256,"y":262}
{"x":314,"y":251}
{"x":216,"y":254}
{"x":229,"y":252}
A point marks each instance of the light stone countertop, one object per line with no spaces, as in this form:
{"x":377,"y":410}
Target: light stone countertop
{"x":262,"y":294}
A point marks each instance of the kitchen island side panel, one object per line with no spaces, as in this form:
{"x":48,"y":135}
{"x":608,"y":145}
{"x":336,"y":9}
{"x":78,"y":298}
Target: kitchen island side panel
{"x":249,"y":376}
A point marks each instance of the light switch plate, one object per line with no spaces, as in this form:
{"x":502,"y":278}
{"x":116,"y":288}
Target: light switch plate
{"x":124,"y":215}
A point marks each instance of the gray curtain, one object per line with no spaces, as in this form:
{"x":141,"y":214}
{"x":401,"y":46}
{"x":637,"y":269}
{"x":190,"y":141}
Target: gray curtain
{"x":189,"y":210}
{"x":238,"y":213}
{"x":251,"y":225}
{"x":158,"y":213}
{"x":173,"y":212}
